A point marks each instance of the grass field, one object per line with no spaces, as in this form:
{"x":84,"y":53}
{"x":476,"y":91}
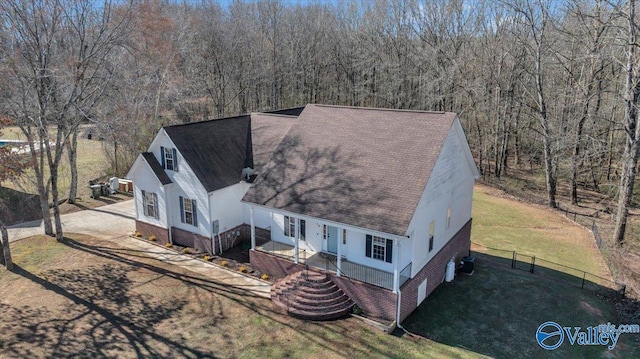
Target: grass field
{"x":112,"y":302}
{"x":505,"y":223}
{"x":91,"y":165}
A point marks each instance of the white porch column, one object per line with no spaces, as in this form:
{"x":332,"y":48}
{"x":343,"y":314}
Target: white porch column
{"x":339,"y":262}
{"x":296,"y":247}
{"x":396,"y":266}
{"x":253,"y":230}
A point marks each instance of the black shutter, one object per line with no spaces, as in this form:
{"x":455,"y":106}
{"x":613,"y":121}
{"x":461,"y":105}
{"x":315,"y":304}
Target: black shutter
{"x":144,"y":203}
{"x":175,"y":160}
{"x":162,"y":156}
{"x":181,"y":209}
{"x":389,"y":251}
{"x":303,"y":229}
{"x":368,"y":246}
{"x":194,"y":208}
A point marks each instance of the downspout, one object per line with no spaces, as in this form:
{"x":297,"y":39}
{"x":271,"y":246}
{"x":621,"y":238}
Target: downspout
{"x":166,"y":206}
{"x":211,"y":235}
{"x":398,"y":288}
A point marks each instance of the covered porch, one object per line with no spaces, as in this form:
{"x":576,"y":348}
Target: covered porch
{"x":330,"y":263}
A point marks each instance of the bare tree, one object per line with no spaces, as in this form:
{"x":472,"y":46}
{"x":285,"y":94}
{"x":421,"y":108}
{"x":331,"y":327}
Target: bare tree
{"x":631,"y":127}
{"x":59,"y":61}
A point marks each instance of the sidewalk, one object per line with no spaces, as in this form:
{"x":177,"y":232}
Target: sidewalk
{"x":237,"y":280}
{"x":115,"y":222}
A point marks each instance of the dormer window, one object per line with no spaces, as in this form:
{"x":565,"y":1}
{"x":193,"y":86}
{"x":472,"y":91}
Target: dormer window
{"x":169,"y":158}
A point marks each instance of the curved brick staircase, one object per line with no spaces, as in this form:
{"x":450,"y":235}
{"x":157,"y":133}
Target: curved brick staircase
{"x":310,"y":295}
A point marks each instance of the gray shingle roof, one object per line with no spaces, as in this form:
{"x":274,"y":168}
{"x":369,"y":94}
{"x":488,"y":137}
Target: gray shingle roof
{"x":358,"y":166}
{"x":161,"y":175}
{"x":218,"y":150}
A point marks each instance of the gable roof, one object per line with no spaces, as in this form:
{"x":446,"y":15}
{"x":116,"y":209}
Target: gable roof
{"x":217,"y":150}
{"x":155,"y":166}
{"x":359,"y":166}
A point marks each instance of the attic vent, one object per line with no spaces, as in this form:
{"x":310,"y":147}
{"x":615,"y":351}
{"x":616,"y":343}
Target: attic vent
{"x":247,"y":174}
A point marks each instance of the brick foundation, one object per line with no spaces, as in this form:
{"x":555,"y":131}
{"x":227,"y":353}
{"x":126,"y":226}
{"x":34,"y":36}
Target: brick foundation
{"x":376,"y":302}
{"x":459,"y":246}
{"x":147,"y":229}
{"x":190,"y":239}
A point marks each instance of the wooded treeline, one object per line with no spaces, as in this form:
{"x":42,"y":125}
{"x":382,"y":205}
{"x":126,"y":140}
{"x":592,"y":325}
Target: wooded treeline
{"x":538,"y":84}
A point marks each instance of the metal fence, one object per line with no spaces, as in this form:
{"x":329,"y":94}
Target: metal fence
{"x":561,"y":272}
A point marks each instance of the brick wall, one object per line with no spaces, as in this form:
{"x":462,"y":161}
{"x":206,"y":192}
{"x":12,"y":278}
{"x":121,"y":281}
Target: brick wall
{"x":147,"y":229}
{"x":376,"y":302}
{"x":434,"y":271}
{"x":190,"y":239}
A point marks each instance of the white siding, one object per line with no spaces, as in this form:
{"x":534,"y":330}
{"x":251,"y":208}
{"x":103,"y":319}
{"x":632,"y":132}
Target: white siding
{"x":145,"y":180}
{"x":185,"y":184}
{"x":353,"y":250}
{"x":450,"y":186}
{"x":226,"y":206}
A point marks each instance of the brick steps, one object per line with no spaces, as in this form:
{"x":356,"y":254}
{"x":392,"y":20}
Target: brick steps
{"x":310,"y":295}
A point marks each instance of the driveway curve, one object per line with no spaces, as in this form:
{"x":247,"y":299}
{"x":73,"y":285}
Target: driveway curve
{"x":106,"y":222}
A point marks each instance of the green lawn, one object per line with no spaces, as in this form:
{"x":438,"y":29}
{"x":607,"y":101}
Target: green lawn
{"x":497,"y":310}
{"x":510,"y":225}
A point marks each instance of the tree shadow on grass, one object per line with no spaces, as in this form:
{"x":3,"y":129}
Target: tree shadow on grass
{"x":106,"y":318}
{"x":497,"y":311}
{"x":341,"y":332}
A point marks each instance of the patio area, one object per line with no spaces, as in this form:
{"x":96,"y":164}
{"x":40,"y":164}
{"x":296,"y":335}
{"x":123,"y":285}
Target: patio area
{"x":328,"y":262}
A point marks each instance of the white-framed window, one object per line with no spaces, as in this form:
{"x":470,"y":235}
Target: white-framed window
{"x":344,"y":236}
{"x":290,"y":227}
{"x":188,"y":211}
{"x":324,"y":231}
{"x":432,"y":231}
{"x":169,"y":158}
{"x":379,"y":248}
{"x":150,"y":206}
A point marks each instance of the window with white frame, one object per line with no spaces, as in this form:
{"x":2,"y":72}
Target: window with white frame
{"x":169,"y":158}
{"x":290,"y":227}
{"x":379,"y":248}
{"x":344,"y":236}
{"x":188,"y":211}
{"x":150,"y":207}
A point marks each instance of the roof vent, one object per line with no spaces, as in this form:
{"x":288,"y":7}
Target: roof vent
{"x":247,"y":173}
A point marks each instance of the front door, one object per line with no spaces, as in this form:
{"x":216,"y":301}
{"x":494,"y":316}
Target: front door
{"x":332,"y":239}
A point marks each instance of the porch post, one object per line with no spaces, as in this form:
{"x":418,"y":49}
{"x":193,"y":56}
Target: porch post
{"x":296,"y":248}
{"x":339,"y":262}
{"x":253,"y":230}
{"x":396,"y":266}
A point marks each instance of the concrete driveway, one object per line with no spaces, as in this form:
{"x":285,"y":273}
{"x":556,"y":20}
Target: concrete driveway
{"x":106,"y":222}
{"x":116,"y":221}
